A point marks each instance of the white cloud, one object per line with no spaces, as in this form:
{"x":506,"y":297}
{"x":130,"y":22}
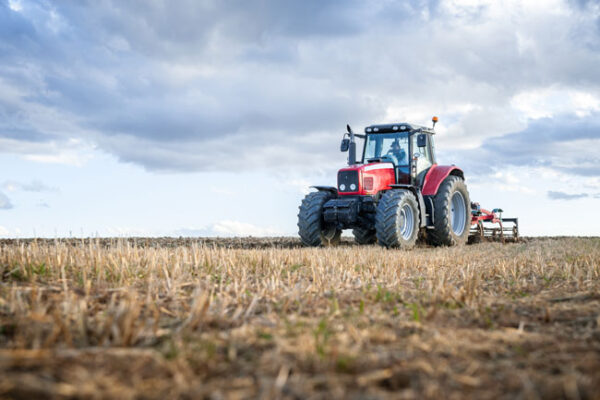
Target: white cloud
{"x":74,"y":159}
{"x":236,"y":228}
{"x":553,"y":101}
{"x":228,"y":228}
{"x":4,"y":231}
{"x":507,"y":181}
{"x":33,"y":186}
{"x":71,"y":152}
{"x":123,"y":231}
{"x":15,"y":5}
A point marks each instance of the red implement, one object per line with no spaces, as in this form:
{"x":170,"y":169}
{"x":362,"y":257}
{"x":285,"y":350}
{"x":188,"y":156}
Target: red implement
{"x":489,"y":225}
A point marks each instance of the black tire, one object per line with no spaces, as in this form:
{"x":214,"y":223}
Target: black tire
{"x":392,"y":221}
{"x":364,"y":236}
{"x":311,"y":227}
{"x":449,"y":230}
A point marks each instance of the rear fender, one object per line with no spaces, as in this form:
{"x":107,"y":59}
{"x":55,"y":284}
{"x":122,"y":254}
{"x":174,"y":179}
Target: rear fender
{"x":436,"y":175}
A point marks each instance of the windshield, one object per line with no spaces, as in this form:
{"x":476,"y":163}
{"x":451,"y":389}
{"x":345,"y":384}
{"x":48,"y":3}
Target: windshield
{"x":391,"y":146}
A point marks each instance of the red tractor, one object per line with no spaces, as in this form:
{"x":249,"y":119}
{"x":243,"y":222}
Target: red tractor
{"x":394,"y":192}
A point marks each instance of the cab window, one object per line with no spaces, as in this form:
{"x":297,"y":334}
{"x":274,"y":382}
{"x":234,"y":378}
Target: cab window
{"x":389,"y":146}
{"x":424,"y":159}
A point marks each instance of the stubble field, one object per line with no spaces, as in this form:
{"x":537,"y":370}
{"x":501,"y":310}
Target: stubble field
{"x":247,"y":318}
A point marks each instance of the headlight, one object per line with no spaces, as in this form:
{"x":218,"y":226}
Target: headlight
{"x":342,"y":187}
{"x":353,"y":187}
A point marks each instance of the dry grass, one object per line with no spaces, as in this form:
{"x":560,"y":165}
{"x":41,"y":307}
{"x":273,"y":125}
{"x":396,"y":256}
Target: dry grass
{"x":170,"y":319}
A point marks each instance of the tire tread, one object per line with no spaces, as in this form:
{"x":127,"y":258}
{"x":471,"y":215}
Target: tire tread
{"x":442,"y":234}
{"x":386,"y":219}
{"x":309,"y":220}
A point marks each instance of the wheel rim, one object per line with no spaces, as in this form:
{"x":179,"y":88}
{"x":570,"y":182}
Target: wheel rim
{"x":458,"y":212}
{"x":406,"y":222}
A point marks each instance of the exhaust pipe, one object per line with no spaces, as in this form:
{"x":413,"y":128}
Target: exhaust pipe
{"x":352,"y":147}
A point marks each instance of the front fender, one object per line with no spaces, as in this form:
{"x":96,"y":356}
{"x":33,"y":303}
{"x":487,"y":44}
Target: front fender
{"x":330,"y":189}
{"x":436,"y":175}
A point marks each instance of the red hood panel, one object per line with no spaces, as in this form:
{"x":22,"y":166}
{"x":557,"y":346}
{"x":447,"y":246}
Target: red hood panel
{"x":377,"y":176}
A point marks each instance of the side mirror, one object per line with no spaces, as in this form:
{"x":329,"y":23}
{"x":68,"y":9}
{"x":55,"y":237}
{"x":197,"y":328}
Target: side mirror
{"x":345,"y":145}
{"x":422,"y":140}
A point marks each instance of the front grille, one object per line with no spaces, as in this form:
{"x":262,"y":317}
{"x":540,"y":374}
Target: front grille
{"x":346,"y":179}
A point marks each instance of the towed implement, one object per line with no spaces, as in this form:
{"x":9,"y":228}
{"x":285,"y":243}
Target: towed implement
{"x":395,"y":193}
{"x":489,"y":225}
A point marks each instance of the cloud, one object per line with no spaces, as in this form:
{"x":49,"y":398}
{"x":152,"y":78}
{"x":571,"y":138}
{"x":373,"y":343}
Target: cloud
{"x":4,"y":231}
{"x":5,"y":203}
{"x":33,"y":186}
{"x":229,"y":228}
{"x":245,"y":85}
{"x":567,"y":144}
{"x":126,"y":231}
{"x":555,"y":195}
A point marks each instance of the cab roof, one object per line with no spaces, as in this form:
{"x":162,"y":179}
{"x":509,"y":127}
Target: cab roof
{"x":398,"y":127}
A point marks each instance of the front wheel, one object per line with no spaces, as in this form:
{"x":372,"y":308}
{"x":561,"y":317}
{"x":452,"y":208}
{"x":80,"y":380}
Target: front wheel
{"x":311,"y":227}
{"x":452,"y":213}
{"x":397,"y":219}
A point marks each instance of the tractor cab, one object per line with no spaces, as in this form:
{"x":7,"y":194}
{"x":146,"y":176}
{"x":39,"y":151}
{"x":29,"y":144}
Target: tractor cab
{"x":408,"y":147}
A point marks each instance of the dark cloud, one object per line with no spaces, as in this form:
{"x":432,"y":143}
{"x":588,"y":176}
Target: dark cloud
{"x":5,"y":203}
{"x":158,"y":28}
{"x":567,"y":144}
{"x":555,"y":195}
{"x":236,"y":84}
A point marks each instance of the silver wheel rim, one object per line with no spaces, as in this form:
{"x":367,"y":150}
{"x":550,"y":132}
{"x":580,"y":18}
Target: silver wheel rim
{"x":458,"y":213}
{"x":406,"y":222}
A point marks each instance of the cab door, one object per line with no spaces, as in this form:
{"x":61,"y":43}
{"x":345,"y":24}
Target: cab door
{"x":422,"y":155}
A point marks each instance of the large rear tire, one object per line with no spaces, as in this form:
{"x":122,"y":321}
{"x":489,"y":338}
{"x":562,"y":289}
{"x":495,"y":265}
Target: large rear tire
{"x":452,"y":213}
{"x":364,"y":236}
{"x":397,"y":219}
{"x":311,"y":227}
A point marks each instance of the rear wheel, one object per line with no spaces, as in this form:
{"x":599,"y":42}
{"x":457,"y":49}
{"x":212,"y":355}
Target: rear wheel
{"x":397,"y":219}
{"x":311,"y":227}
{"x":452,"y":213}
{"x":364,"y":236}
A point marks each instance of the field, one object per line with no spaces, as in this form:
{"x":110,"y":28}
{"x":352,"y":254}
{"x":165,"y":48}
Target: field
{"x":245,"y":318}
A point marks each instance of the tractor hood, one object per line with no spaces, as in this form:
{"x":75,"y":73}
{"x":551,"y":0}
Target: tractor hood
{"x":365,"y":179}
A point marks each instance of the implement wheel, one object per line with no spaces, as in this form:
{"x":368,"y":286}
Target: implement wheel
{"x":311,"y":227}
{"x":452,"y":213}
{"x":476,"y":235}
{"x":397,"y":219}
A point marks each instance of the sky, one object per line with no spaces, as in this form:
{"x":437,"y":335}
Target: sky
{"x":214,"y":117}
